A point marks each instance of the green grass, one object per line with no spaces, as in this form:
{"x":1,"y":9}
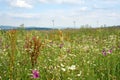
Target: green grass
{"x":77,"y":56}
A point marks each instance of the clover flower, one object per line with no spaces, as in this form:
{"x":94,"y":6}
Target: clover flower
{"x":110,"y":51}
{"x":35,"y":74}
{"x":104,"y":52}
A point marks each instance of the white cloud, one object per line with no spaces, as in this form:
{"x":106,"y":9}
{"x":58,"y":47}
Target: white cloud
{"x":114,"y":15}
{"x":23,"y":15}
{"x":43,"y":1}
{"x":84,"y":8}
{"x":20,"y":3}
{"x":62,"y":1}
{"x":111,"y":1}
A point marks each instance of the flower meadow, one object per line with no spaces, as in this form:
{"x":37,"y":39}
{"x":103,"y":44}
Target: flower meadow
{"x":69,"y":54}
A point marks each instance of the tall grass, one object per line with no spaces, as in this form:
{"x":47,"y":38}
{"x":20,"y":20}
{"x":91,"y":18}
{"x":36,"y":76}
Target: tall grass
{"x":81,"y":54}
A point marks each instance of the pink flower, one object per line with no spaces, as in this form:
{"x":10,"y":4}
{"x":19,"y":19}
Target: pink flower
{"x":104,"y":52}
{"x":35,"y":74}
{"x":110,"y":51}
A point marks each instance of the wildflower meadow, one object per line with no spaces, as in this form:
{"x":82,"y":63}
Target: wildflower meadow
{"x":68,"y":54}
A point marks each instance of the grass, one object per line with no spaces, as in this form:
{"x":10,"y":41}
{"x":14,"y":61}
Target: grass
{"x":82,"y":54}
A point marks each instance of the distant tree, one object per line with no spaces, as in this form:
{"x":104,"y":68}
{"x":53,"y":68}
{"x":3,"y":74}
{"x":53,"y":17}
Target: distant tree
{"x":21,"y":28}
{"x":22,"y":25}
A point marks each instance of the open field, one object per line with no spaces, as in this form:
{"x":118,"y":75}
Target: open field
{"x":83,"y":54}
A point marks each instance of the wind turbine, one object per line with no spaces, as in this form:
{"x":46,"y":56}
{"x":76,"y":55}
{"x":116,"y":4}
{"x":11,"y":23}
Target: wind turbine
{"x":53,"y":22}
{"x":74,"y":23}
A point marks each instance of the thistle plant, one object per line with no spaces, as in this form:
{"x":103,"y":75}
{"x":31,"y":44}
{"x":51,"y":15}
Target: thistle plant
{"x":32,"y":47}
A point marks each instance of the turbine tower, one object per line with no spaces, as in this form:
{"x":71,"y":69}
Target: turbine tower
{"x":53,"y":22}
{"x":74,"y":23}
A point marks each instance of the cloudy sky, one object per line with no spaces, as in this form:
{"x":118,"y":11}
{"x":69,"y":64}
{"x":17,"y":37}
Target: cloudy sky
{"x":63,"y":12}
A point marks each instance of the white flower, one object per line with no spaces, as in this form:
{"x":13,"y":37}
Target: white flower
{"x":73,"y":67}
{"x":63,"y":69}
{"x":62,"y":65}
{"x":79,"y":73}
{"x":69,"y":78}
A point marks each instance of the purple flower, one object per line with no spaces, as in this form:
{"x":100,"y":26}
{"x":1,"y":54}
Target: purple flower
{"x":110,"y":51}
{"x":35,"y":74}
{"x":104,"y":53}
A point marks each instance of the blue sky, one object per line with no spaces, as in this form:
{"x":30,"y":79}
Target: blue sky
{"x":63,"y":12}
